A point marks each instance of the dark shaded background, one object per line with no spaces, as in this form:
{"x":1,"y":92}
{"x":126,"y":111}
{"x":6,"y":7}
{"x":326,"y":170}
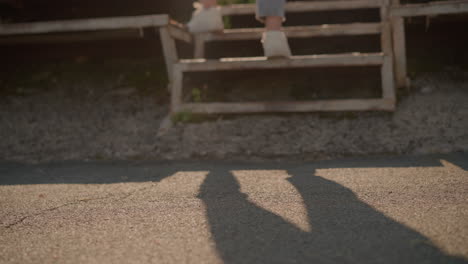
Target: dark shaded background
{"x":432,"y":43}
{"x":442,"y":38}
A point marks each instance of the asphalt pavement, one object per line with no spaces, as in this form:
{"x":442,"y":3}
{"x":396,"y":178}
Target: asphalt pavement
{"x":409,"y":209}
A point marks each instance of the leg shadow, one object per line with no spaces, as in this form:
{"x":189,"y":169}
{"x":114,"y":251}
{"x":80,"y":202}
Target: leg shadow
{"x":344,"y":229}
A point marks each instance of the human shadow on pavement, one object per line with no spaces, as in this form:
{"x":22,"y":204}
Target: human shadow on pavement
{"x":343,"y":228}
{"x":108,"y":172}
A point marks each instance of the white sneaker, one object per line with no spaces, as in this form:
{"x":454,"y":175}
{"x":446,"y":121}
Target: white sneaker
{"x":275,"y":44}
{"x":205,"y":19}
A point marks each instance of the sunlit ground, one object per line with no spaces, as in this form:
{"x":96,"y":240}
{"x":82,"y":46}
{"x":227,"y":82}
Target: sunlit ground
{"x":395,"y":210}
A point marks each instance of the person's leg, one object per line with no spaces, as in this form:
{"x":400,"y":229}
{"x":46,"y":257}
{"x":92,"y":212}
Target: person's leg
{"x":209,"y":3}
{"x":207,"y":17}
{"x":271,"y":12}
{"x":270,"y":8}
{"x":274,"y":23}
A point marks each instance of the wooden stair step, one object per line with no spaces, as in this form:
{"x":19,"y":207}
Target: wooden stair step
{"x":431,"y":8}
{"x":297,"y":31}
{"x":304,"y":6}
{"x":328,"y":60}
{"x":295,"y":106}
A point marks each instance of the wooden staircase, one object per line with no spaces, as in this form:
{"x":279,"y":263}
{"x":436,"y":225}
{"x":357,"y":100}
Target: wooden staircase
{"x":384,"y":59}
{"x":392,"y":57}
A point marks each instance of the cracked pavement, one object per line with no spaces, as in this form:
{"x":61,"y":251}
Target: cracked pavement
{"x":409,"y":209}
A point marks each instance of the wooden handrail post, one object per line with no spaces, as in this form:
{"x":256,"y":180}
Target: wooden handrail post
{"x":387,"y":70}
{"x":199,"y":46}
{"x":170,"y":52}
{"x":399,"y":48}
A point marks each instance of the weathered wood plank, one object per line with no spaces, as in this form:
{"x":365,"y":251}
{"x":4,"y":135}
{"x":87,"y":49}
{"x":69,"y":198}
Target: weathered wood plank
{"x":91,"y":24}
{"x":176,"y":89}
{"x":180,"y":33}
{"x":432,"y":8}
{"x":299,"y":106}
{"x":349,"y":59}
{"x":388,"y":82}
{"x":297,"y":31}
{"x":399,"y":51}
{"x":199,"y":46}
{"x":246,"y":9}
{"x":169,"y":50}
{"x":399,"y":48}
{"x":387,"y":71}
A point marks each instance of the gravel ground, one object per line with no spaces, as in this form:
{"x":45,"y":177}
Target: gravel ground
{"x":79,"y":122}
